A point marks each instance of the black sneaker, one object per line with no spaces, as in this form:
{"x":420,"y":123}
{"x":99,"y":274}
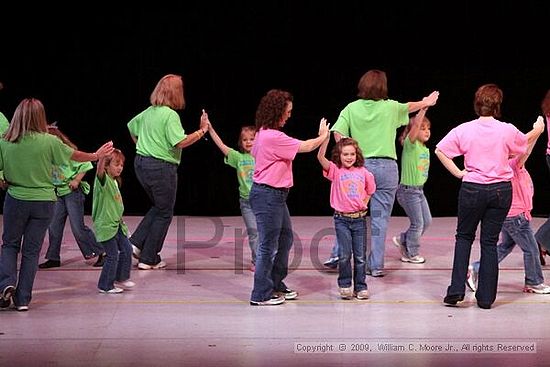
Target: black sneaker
{"x":5,"y":299}
{"x":50,"y":264}
{"x":332,"y":263}
{"x":287,"y":294}
{"x":100,"y":261}
{"x":452,"y":300}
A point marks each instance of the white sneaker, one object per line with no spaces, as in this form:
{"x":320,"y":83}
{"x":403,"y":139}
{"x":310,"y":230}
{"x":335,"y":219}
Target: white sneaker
{"x":346,"y":293}
{"x":136,"y":252}
{"x":114,"y":290}
{"x":143,"y":266}
{"x":364,"y":294}
{"x":471,"y":278}
{"x":538,"y":289}
{"x":397,"y":242}
{"x":127,"y":284}
{"x":413,"y":260}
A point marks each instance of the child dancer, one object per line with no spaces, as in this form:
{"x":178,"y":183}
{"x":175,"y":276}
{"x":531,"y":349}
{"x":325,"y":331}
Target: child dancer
{"x":350,"y":191}
{"x":516,"y":229}
{"x":243,"y":162}
{"x":415,"y":162}
{"x":111,"y":231}
{"x":71,"y":191}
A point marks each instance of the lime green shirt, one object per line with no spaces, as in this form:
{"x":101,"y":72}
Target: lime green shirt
{"x":107,"y":209}
{"x":373,"y":124}
{"x":158,"y":129}
{"x":415,"y":163}
{"x":244,"y":164}
{"x":27,"y":165}
{"x":4,"y":124}
{"x":62,"y":175}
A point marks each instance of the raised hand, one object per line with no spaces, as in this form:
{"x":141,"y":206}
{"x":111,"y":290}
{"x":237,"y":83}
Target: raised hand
{"x":323,"y":127}
{"x":105,"y":150}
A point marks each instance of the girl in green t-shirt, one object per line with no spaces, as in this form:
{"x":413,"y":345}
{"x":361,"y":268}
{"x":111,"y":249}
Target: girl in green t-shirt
{"x":415,"y":162}
{"x":111,"y":231}
{"x":244,"y":163}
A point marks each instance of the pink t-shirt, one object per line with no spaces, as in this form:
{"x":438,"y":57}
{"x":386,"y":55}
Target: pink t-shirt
{"x":350,"y":188}
{"x":548,"y":131}
{"x":486,"y":144}
{"x":274,"y":152}
{"x":522,"y":191}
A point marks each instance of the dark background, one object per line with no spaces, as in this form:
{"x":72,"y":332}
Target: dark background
{"x":94,"y":68}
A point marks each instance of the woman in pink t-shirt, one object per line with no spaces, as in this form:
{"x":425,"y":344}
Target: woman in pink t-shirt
{"x":274,"y":152}
{"x":486,"y":192}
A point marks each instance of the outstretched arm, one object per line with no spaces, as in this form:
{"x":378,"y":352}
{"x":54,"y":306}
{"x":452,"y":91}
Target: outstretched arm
{"x":103,"y":151}
{"x":312,"y":144}
{"x":100,"y":170}
{"x":427,"y":101}
{"x":194,"y":137}
{"x":532,"y":137}
{"x":325,"y":163}
{"x":416,"y":123}
{"x":224,"y":148}
{"x":450,"y":164}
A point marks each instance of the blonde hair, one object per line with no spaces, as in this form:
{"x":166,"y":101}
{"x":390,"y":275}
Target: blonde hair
{"x":169,"y":92}
{"x":116,"y":154}
{"x":407,"y":129}
{"x":29,"y":117}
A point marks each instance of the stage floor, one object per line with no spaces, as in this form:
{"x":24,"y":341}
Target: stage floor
{"x":196,"y":312}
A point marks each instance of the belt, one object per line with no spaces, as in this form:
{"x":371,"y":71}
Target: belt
{"x":380,"y":158}
{"x":282,"y":189}
{"x":353,"y":215}
{"x":412,"y":187}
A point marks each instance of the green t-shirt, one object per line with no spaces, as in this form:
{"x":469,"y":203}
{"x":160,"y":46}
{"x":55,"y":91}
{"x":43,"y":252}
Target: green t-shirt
{"x":107,"y":209}
{"x":373,"y":124}
{"x":158,"y":129}
{"x":415,"y":163}
{"x":62,"y":175}
{"x":4,"y":124}
{"x":244,"y":164}
{"x":27,"y":165}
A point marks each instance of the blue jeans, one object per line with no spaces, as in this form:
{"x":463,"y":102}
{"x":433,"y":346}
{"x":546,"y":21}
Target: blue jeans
{"x":275,"y":240}
{"x":543,"y":233}
{"x":71,"y":205}
{"x":117,"y":262}
{"x":386,"y":177}
{"x":488,"y":204}
{"x":27,"y":221}
{"x":251,"y":227}
{"x":350,"y":234}
{"x":159,"y":179}
{"x":517,"y":230}
{"x":413,"y":201}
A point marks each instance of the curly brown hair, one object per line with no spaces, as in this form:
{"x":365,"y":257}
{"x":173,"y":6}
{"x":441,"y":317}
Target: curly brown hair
{"x":488,"y":99}
{"x":337,"y":151}
{"x":271,"y":109}
{"x":545,"y":104}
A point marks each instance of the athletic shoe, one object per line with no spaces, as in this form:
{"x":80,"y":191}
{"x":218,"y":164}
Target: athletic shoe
{"x":538,"y":289}
{"x":288,"y":294}
{"x":50,"y":264}
{"x":143,"y":266}
{"x":5,"y":298}
{"x":332,"y":263}
{"x":346,"y":293}
{"x":22,"y":308}
{"x":364,"y":294}
{"x":471,"y":278}
{"x":413,"y":260}
{"x":127,"y":284}
{"x":453,"y":300}
{"x":113,"y":290}
{"x":273,"y":301}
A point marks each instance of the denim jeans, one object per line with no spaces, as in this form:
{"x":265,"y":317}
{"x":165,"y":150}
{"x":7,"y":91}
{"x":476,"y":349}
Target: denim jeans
{"x":71,"y":205}
{"x":413,"y":201}
{"x":251,"y":227}
{"x":517,"y":231}
{"x":27,"y":221}
{"x":159,"y":179}
{"x":117,"y":262}
{"x":350,"y":233}
{"x":488,"y":204}
{"x":275,"y":240}
{"x":386,"y":177}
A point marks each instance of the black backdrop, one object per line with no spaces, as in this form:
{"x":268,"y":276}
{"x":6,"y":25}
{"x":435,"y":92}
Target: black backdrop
{"x":95,"y":68}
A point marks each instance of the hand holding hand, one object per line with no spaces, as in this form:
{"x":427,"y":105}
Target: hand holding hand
{"x":431,"y":99}
{"x":205,"y":122}
{"x":105,"y":150}
{"x":324,"y":128}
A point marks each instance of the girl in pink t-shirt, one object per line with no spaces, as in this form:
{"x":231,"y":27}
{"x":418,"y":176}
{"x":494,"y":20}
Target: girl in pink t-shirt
{"x":351,"y":188}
